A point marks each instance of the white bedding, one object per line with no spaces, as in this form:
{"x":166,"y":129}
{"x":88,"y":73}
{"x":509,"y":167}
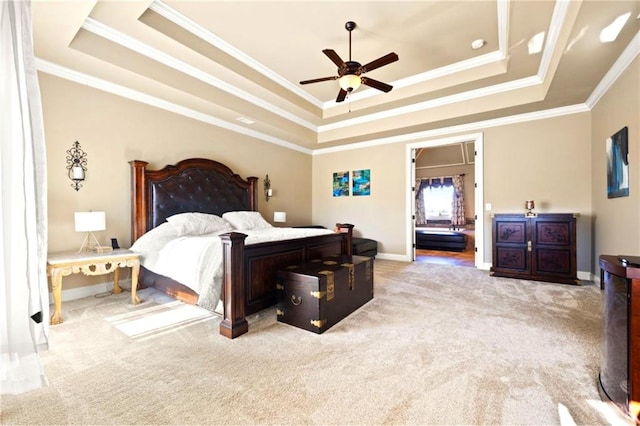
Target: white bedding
{"x":196,"y":261}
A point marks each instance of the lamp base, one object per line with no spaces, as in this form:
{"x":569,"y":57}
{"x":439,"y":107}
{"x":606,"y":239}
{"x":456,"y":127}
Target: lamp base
{"x":90,"y":243}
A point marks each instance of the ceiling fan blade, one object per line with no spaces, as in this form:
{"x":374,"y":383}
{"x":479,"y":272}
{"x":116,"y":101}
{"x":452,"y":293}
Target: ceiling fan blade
{"x":317,"y":80}
{"x":342,"y":94}
{"x":334,"y":57}
{"x":376,"y":84}
{"x":380,"y":62}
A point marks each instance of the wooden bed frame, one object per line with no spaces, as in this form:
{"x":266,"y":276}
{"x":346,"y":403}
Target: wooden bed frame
{"x":249,"y":272}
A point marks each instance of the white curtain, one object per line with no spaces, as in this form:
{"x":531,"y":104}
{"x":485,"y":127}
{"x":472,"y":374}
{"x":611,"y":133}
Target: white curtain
{"x":24,"y":295}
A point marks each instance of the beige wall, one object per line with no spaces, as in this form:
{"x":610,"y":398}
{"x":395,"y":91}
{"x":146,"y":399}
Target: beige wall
{"x":113,"y":131}
{"x":617,"y":220}
{"x":380,"y":216}
{"x":546,"y":160}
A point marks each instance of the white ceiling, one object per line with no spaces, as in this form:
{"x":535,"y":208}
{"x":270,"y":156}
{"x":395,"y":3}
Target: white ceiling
{"x":217,"y":61}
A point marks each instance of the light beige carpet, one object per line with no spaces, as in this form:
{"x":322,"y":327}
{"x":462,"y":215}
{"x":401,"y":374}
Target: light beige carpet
{"x":437,"y":345}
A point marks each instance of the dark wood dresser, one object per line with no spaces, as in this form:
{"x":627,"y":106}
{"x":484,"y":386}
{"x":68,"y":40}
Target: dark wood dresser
{"x":539,"y":247}
{"x":619,"y":378}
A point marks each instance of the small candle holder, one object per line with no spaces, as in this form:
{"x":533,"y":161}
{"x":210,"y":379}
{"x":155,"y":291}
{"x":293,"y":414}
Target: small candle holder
{"x":530,"y":205}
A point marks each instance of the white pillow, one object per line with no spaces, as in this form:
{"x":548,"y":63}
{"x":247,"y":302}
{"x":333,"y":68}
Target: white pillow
{"x":198,"y":223}
{"x":246,"y":220}
{"x":155,"y":239}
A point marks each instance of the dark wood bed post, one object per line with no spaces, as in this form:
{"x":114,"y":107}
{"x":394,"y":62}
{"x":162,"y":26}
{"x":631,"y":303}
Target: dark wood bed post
{"x":234,"y":323}
{"x":138,"y":200}
{"x":347,"y":240}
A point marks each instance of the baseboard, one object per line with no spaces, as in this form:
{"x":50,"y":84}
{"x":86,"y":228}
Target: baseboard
{"x":585,"y":276}
{"x":485,"y":266}
{"x":90,"y":290}
{"x":397,"y":257}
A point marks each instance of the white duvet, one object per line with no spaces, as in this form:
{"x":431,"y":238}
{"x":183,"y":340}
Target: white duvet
{"x":196,"y":261}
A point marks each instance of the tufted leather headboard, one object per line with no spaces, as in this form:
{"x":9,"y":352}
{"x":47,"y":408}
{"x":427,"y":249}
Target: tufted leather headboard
{"x":193,"y":185}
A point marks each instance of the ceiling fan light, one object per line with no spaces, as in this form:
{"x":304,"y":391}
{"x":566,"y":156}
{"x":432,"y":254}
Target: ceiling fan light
{"x":350,"y":82}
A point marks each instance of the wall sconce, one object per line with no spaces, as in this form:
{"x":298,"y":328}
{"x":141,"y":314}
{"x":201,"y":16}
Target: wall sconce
{"x":76,"y":165}
{"x":90,"y":222}
{"x":280,"y":217}
{"x":530,"y":205}
{"x":268,"y":192}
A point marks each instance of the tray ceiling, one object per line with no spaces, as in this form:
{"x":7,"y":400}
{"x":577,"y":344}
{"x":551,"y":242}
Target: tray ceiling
{"x":229,"y":63}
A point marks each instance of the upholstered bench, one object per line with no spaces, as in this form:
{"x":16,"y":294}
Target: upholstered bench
{"x":361,"y":246}
{"x":365,"y":247}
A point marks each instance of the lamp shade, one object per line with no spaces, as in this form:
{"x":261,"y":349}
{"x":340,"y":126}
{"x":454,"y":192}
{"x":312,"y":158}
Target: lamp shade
{"x":90,"y":221}
{"x":350,"y":82}
{"x":279,"y":216}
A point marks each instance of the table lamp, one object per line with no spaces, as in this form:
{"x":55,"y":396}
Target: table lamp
{"x":90,"y":222}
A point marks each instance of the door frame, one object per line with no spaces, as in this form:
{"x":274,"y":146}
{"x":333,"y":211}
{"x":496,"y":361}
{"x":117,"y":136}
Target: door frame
{"x":478,"y":140}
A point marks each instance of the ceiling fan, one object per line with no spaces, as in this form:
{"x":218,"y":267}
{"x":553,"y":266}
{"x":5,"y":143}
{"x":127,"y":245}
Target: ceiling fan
{"x":350,"y":73}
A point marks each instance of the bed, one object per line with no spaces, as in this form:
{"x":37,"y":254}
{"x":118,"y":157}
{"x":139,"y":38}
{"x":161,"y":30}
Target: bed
{"x":249,"y":271}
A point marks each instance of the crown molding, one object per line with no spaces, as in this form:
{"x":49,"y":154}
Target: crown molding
{"x":187,"y":24}
{"x":624,"y":60}
{"x":443,"y":131}
{"x":125,"y":92}
{"x":124,"y":40}
{"x":558,"y":17}
{"x":434,"y":103}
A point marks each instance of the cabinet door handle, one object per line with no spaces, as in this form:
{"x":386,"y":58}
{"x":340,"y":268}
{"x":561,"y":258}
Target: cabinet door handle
{"x":528,"y":245}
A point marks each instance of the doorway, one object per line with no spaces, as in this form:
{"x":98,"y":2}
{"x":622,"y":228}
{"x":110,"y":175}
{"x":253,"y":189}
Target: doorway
{"x":473,"y":253}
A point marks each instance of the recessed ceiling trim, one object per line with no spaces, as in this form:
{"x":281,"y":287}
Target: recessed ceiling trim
{"x":478,"y":61}
{"x":124,"y":40}
{"x":559,"y":15}
{"x":503,"y":25}
{"x":558,"y":18}
{"x":125,"y":92}
{"x":187,"y":24}
{"x":434,"y":103}
{"x":465,"y":65}
{"x":628,"y":55}
{"x":478,"y":125}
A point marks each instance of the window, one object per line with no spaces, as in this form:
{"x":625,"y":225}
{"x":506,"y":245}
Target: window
{"x":438,"y":202}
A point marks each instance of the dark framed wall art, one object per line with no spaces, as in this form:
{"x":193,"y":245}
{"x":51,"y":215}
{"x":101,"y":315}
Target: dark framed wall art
{"x":618,"y":164}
